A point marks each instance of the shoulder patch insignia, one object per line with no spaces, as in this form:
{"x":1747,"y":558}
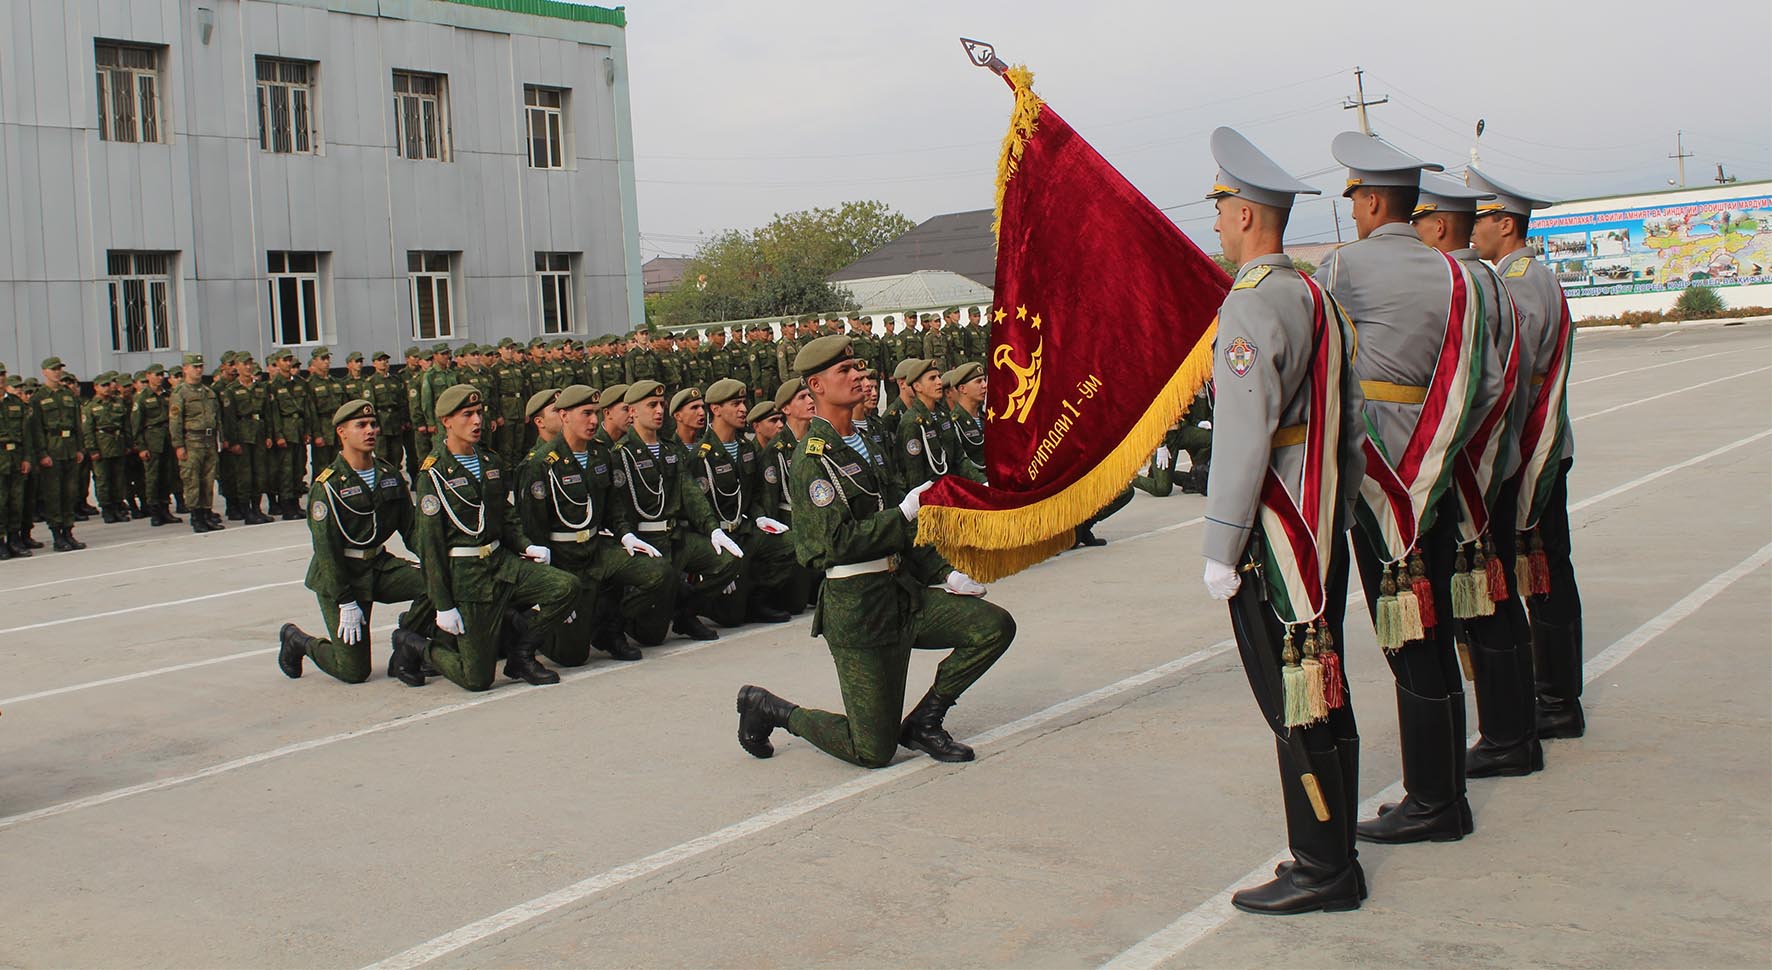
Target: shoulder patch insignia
{"x":325,"y":473}
{"x":620,"y":479}
{"x":427,"y":463}
{"x":538,"y":490}
{"x":1252,"y":278}
{"x":815,"y":446}
{"x":821,"y":492}
{"x":769,"y":474}
{"x":914,"y":446}
{"x":430,"y":505}
{"x":1241,"y":356}
{"x":318,"y":511}
{"x":1518,"y":269}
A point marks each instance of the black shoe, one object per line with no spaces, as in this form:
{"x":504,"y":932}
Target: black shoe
{"x":252,"y":516}
{"x":234,"y":514}
{"x":406,"y":662}
{"x":615,"y":643}
{"x":1360,"y":876}
{"x":1410,"y":821}
{"x":166,"y":513}
{"x":68,"y":537}
{"x":759,"y":714}
{"x":137,"y":512}
{"x":109,"y":514}
{"x":86,"y":509}
{"x":157,"y":516}
{"x":60,"y":544}
{"x":293,"y":646}
{"x":1292,"y":892}
{"x":1086,"y":538}
{"x":764,"y":613}
{"x":29,"y":540}
{"x":692,"y":627}
{"x":1486,"y":760}
{"x":922,"y":730}
{"x":16,"y":542}
{"x":1564,"y":720}
{"x":215,"y":522}
{"x":520,"y":664}
{"x":6,"y":552}
{"x":292,"y":511}
{"x":80,"y":516}
{"x":200,"y":524}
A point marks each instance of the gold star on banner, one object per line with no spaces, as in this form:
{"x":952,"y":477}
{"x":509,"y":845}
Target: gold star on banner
{"x":1000,"y":314}
{"x":1021,"y":313}
{"x":1036,"y":323}
{"x":990,"y":414}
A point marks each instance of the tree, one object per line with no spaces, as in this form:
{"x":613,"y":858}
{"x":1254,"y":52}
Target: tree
{"x":781,"y":267}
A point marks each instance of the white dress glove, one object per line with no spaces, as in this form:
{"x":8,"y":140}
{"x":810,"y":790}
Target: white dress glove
{"x":350,"y":623}
{"x":635,"y":546}
{"x":1222,"y":581}
{"x":723,"y":543}
{"x":1205,"y":426}
{"x":1162,"y":457}
{"x":449,"y":621}
{"x":961,"y":584}
{"x":770,"y":526}
{"x":913,"y":500}
{"x":540,"y":554}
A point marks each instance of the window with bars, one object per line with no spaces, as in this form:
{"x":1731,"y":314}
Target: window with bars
{"x":554,"y":272}
{"x":140,"y":290}
{"x":545,"y":109}
{"x":421,"y":116}
{"x":293,"y":283}
{"x":287,"y":123}
{"x":430,"y":277}
{"x":128,"y":92}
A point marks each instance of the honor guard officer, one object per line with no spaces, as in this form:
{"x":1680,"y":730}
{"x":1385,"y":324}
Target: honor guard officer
{"x":59,"y":482}
{"x":15,"y":465}
{"x":569,"y":492}
{"x":355,"y":505}
{"x":1420,"y":341}
{"x":1546,"y":450}
{"x":193,"y":422}
{"x":673,"y":515}
{"x":876,"y":606}
{"x":729,"y":469}
{"x":1490,"y":616}
{"x":1291,"y":413}
{"x":468,"y":536}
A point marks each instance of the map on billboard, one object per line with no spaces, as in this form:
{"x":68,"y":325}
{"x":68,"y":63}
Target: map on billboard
{"x":1652,"y":249}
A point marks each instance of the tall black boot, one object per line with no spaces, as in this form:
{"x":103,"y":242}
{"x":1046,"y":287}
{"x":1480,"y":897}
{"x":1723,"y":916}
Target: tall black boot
{"x":157,"y":516}
{"x":166,"y":513}
{"x":691,"y":626}
{"x":292,"y":646}
{"x":922,"y":730}
{"x":522,"y":643}
{"x":199,"y":523}
{"x":1460,"y":732}
{"x":30,"y":541}
{"x":1557,"y":655}
{"x":1431,"y":810}
{"x":16,"y":542}
{"x":1323,"y":874}
{"x":407,"y":661}
{"x":759,"y":714}
{"x":1506,"y":713}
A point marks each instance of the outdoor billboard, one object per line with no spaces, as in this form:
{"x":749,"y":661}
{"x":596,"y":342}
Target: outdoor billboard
{"x":1659,"y":244}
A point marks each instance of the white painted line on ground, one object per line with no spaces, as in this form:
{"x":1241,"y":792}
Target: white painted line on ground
{"x":158,"y":565}
{"x":1618,"y":490}
{"x":1639,"y":370}
{"x":1677,"y":390}
{"x":1172,"y":940}
{"x":150,"y":606}
{"x":541,"y":905}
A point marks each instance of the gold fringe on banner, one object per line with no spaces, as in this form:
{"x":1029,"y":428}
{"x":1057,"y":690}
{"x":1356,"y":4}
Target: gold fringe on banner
{"x":1022,"y":123}
{"x":988,"y":544}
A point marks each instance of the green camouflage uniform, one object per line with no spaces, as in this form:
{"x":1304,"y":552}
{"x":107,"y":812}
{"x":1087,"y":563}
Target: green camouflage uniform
{"x":673,"y":515}
{"x":388,"y":394}
{"x":286,"y":420}
{"x":16,"y":447}
{"x":193,"y":422}
{"x":243,"y":426}
{"x":148,"y":430}
{"x":106,"y":434}
{"x":59,"y":412}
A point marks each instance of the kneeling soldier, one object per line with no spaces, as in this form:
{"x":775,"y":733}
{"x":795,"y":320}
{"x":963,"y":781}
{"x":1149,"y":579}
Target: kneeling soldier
{"x":730,"y":471}
{"x":466,"y":537}
{"x":355,"y":505}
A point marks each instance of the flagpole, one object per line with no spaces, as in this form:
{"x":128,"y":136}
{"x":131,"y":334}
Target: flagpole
{"x":984,"y":55}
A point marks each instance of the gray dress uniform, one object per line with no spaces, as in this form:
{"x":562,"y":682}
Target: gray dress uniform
{"x":1397,"y":291}
{"x":1555,"y":616}
{"x":1263,"y":390}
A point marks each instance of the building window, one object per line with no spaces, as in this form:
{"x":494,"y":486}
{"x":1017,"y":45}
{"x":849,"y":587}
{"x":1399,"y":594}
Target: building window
{"x":128,"y":92}
{"x":286,"y":119}
{"x":429,"y":276}
{"x":554,"y":272}
{"x":546,"y":111}
{"x":140,"y":289}
{"x":421,"y":116}
{"x":293,"y":282}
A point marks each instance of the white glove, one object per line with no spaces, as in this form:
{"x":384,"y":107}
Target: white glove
{"x":961,"y":584}
{"x":1162,"y":457}
{"x":540,"y":554}
{"x":723,"y":543}
{"x":913,"y":500}
{"x":770,"y":526}
{"x":350,"y":623}
{"x":449,"y":621}
{"x":1205,"y":426}
{"x":1222,"y":581}
{"x":634,"y":546}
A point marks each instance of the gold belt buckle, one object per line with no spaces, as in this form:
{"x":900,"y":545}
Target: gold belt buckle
{"x":483,"y":552}
{"x":582,"y":535}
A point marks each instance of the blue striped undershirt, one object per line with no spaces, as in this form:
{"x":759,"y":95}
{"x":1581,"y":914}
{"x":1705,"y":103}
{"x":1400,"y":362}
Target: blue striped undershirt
{"x":471,"y":462}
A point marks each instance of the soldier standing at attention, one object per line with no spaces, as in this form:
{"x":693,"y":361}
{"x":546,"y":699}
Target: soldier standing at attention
{"x":227,"y":464}
{"x":153,"y":445}
{"x":1292,"y":414}
{"x":354,"y":384}
{"x":641,"y":361}
{"x":37,"y":454}
{"x":243,"y":406}
{"x":510,"y":386}
{"x":286,"y":423}
{"x":388,"y":394}
{"x":439,"y":377}
{"x":467,"y":537}
{"x":1546,"y":448}
{"x":59,"y":481}
{"x":15,"y":464}
{"x":326,"y":395}
{"x":356,"y":504}
{"x":415,"y":441}
{"x":855,"y":526}
{"x":1411,"y":307}
{"x":968,"y":383}
{"x":106,"y":435}
{"x":193,"y":423}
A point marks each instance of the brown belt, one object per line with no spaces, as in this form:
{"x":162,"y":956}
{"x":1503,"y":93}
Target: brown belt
{"x":1290,"y":435}
{"x":1393,"y":393}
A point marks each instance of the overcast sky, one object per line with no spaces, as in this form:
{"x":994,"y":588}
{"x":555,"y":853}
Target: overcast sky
{"x":744,"y":110}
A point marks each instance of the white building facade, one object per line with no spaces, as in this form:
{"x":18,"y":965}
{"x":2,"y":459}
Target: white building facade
{"x":206,"y":175}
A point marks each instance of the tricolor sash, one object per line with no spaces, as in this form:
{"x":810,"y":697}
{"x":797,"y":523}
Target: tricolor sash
{"x":1298,"y":522}
{"x":1397,"y":497}
{"x":1547,"y":427}
{"x":1474,"y":472}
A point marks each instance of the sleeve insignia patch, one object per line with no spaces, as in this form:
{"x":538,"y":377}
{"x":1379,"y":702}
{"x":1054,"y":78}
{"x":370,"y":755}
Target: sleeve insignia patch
{"x":538,"y":490}
{"x":318,"y":511}
{"x":769,"y":475}
{"x":1241,"y":356}
{"x":621,"y":478}
{"x":914,"y":446}
{"x":430,"y":505}
{"x":821,"y":492}
{"x":1253,"y":277}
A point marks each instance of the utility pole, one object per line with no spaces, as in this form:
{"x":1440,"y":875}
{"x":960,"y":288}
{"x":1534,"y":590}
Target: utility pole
{"x":1336,"y":213}
{"x":1682,"y":154}
{"x":1721,"y":178}
{"x":1359,"y":102}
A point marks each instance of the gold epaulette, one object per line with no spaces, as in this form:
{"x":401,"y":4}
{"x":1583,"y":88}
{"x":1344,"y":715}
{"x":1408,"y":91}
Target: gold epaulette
{"x":815,"y":446}
{"x":427,"y":463}
{"x":1253,"y":278}
{"x":552,"y":457}
{"x":1518,"y":269}
{"x":325,"y":473}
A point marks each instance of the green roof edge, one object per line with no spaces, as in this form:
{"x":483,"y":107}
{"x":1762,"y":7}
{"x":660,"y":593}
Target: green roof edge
{"x":613,"y":16}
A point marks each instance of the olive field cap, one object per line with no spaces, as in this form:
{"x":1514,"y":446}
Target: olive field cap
{"x":412,"y":351}
{"x":194,"y":359}
{"x":351,"y":410}
{"x":684,"y":397}
{"x":723,"y":390}
{"x":788,"y":391}
{"x":355,"y":355}
{"x":969,"y":371}
{"x":763,"y":412}
{"x":456,"y":398}
{"x":614,"y":394}
{"x":154,"y":369}
{"x":641,"y":390}
{"x":1442,"y":194}
{"x":576,"y":396}
{"x":823,"y":353}
{"x":1372,"y":163}
{"x":382,"y":355}
{"x":1506,"y":199}
{"x":51,"y":363}
{"x":1247,"y":173}
{"x":539,"y":402}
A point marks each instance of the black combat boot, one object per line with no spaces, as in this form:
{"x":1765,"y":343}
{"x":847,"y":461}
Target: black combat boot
{"x":1323,"y":873}
{"x":252,"y":516}
{"x":1086,"y":537}
{"x":407,"y":661}
{"x":759,"y":714}
{"x":135,"y":509}
{"x":63,"y":542}
{"x":1432,"y":810}
{"x":615,"y":643}
{"x":86,"y":509}
{"x":16,"y":542}
{"x":215,"y":522}
{"x":292,"y":646}
{"x":922,"y":730}
{"x":233,"y":511}
{"x":692,"y":627}
{"x":199,"y":523}
{"x":761,"y":612}
{"x":109,"y":514}
{"x":157,"y":516}
{"x":28,"y":539}
{"x":520,"y":662}
{"x":292,"y":510}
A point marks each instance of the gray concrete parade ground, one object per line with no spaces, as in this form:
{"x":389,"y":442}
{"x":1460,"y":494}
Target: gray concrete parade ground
{"x":171,"y":800}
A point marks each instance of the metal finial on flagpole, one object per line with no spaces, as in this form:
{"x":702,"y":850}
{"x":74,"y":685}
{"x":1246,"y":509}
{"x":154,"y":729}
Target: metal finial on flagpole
{"x":984,"y":55}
